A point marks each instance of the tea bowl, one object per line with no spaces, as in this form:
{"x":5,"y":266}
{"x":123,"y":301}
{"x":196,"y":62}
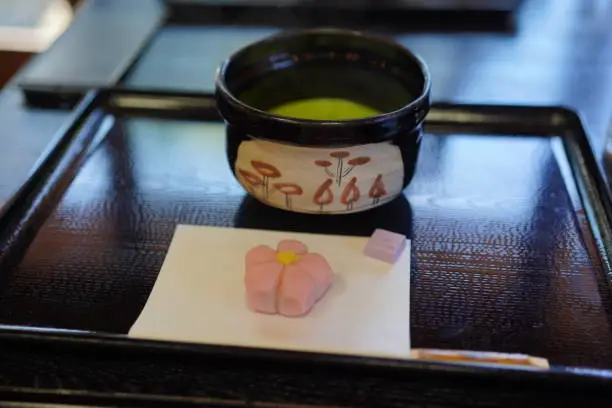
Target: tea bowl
{"x":323,"y":121}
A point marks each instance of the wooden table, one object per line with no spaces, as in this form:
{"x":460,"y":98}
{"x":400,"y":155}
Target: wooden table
{"x":561,"y":55}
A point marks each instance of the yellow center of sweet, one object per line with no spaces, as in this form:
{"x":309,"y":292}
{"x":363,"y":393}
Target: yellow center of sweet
{"x":286,"y":257}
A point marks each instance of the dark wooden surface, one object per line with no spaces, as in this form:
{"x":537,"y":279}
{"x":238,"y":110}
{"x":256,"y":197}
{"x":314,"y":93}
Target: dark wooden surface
{"x":501,"y":260}
{"x":10,"y":62}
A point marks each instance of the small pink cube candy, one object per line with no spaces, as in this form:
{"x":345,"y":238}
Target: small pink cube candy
{"x":385,"y":245}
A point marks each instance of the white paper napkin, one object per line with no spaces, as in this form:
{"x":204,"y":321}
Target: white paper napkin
{"x":199,"y":296}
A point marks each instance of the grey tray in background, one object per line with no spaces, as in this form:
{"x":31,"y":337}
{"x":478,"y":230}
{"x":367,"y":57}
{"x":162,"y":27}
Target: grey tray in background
{"x":104,"y":40}
{"x":108,"y":37}
{"x":401,"y":15}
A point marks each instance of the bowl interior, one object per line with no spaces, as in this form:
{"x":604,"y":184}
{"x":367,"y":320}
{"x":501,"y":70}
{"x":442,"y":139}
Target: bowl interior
{"x":332,"y":69}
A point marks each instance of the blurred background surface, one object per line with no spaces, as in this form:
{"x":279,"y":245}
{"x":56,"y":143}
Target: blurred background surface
{"x":28,"y":27}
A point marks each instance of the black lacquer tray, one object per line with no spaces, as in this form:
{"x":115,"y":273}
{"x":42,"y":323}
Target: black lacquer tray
{"x":440,"y":15}
{"x":510,"y":227}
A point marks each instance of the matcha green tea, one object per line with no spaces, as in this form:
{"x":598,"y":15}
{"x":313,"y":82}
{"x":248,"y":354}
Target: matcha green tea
{"x":324,"y":109}
{"x":325,"y":91}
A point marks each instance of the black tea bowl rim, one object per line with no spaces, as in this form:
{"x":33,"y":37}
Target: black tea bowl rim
{"x":261,"y":124}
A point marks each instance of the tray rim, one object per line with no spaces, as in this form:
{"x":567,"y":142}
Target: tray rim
{"x":540,"y":121}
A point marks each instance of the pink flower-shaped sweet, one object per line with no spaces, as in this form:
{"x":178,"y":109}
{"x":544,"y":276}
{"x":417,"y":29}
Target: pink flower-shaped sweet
{"x":288,"y":280}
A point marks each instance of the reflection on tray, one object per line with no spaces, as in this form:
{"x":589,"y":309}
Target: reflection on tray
{"x":395,"y":216}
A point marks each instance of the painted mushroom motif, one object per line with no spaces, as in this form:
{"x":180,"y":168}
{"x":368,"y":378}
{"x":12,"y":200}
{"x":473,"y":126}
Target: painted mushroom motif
{"x":288,"y":189}
{"x":343,"y":168}
{"x":357,"y":161}
{"x":251,"y":179}
{"x":267,"y":172}
{"x":340,"y":155}
{"x":323,"y":195}
{"x":350,"y":194}
{"x":377,"y":190}
{"x":325,"y":164}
